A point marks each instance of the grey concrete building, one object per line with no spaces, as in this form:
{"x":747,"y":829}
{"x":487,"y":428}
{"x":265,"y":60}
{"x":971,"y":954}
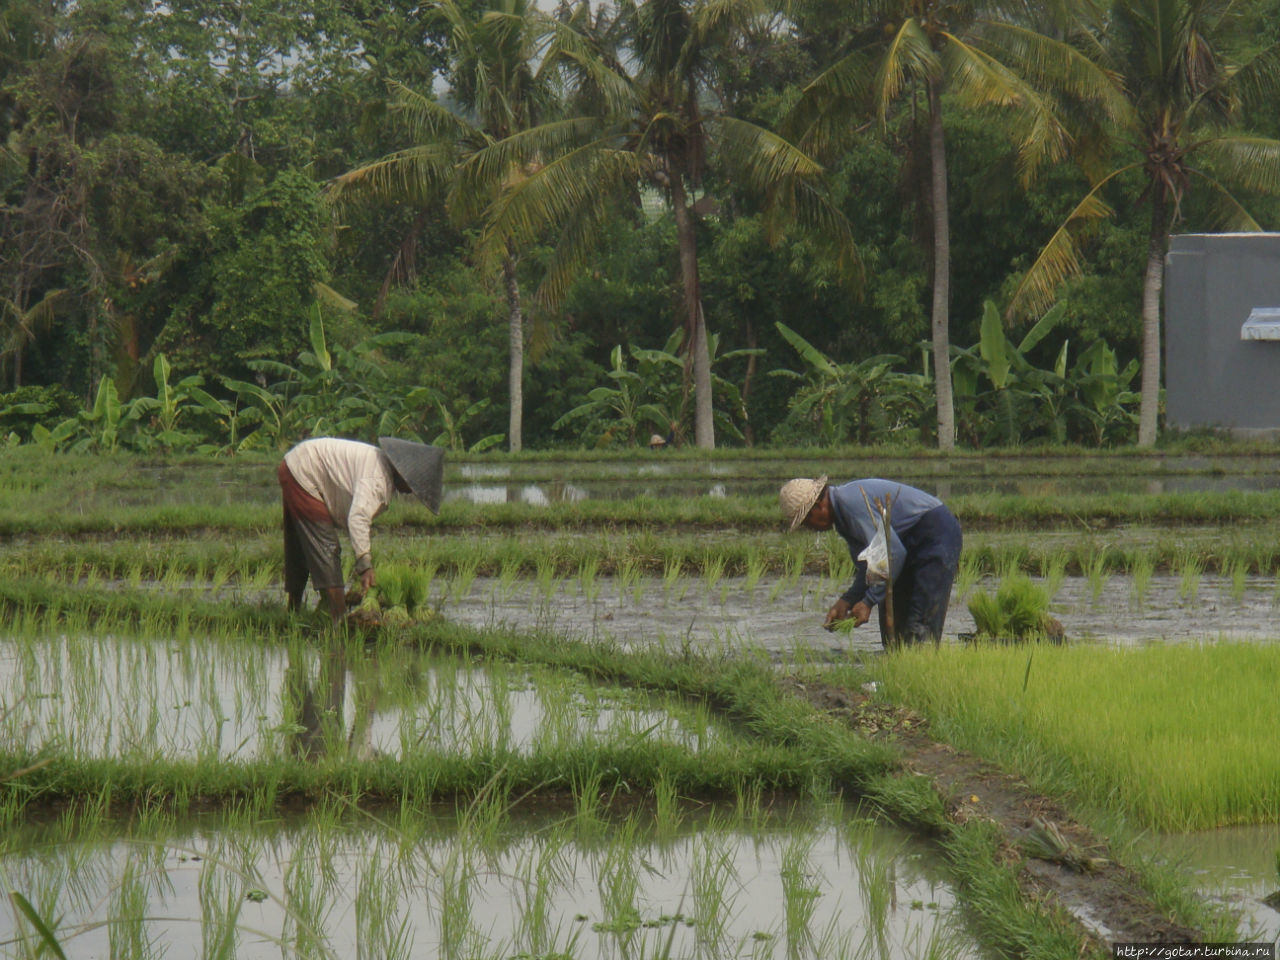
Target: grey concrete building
{"x":1222,"y":332}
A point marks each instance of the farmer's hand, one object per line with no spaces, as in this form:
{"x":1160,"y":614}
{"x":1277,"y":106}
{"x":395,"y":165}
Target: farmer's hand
{"x":367,"y":580}
{"x":859,"y":612}
{"x":839,"y":611}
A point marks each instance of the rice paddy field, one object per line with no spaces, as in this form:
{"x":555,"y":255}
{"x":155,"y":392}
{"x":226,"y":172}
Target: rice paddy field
{"x":576,"y":732}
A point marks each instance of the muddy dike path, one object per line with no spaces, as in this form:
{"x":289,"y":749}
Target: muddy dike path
{"x":1061,"y":860}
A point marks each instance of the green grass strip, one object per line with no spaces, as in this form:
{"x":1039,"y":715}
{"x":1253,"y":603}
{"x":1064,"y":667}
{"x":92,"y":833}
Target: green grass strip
{"x":1176,"y":737}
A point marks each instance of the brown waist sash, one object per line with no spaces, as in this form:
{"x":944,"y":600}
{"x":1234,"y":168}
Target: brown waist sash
{"x":298,"y":502}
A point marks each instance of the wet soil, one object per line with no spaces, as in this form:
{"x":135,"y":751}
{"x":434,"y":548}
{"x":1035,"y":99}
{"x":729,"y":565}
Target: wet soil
{"x":1059,"y":859}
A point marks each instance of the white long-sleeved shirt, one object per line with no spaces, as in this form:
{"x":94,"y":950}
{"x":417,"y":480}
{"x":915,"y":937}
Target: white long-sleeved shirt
{"x":353,"y":480}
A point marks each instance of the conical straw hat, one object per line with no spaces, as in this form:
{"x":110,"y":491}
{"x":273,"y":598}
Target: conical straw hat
{"x":797,"y":498}
{"x":420,"y":465}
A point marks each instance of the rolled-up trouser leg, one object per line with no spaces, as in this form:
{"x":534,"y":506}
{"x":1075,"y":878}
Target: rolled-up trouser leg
{"x":322,"y":550}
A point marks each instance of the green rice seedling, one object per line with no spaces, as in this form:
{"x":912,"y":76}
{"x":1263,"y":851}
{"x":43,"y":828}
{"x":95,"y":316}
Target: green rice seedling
{"x":878,"y":883}
{"x":793,"y":562}
{"x":757,"y":563}
{"x":220,"y":575}
{"x":1190,"y":568}
{"x":1141,"y":568}
{"x":1096,"y":571}
{"x":546,"y":577}
{"x":464,"y":576}
{"x":134,"y":576}
{"x":459,"y":936}
{"x":507,"y":575}
{"x":263,"y":574}
{"x":800,"y":891}
{"x":588,"y":803}
{"x":588,"y":582}
{"x":667,"y":812}
{"x":392,"y":589}
{"x":127,"y":934}
{"x":1053,"y":570}
{"x":712,"y":571}
{"x":1013,"y":559}
{"x":628,"y":577}
{"x":417,"y":587}
{"x":376,"y":902}
{"x":968,"y":574}
{"x":712,"y":874}
{"x":1237,"y":571}
{"x":672,"y":567}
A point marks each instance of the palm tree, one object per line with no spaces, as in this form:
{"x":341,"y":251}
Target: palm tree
{"x":656,"y":123}
{"x":1164,"y":59}
{"x":500,"y":90}
{"x":937,"y":47}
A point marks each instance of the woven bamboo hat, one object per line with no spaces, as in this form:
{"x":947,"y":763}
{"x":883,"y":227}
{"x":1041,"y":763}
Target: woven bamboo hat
{"x":421,"y":467}
{"x":797,"y":498}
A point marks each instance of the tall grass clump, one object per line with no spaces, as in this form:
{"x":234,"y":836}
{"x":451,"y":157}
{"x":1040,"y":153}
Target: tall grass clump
{"x":1173,"y":737}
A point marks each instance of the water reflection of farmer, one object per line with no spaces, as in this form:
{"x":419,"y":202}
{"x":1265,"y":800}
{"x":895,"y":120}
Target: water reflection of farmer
{"x":327,"y":483}
{"x":924,"y":548}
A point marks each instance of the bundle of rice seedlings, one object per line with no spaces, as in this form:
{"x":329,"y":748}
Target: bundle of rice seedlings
{"x":1019,"y":610}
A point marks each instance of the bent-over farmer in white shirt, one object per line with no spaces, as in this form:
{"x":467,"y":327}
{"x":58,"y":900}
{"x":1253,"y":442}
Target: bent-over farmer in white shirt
{"x":327,"y":483}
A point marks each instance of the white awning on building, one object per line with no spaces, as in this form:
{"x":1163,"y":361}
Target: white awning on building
{"x":1263,"y":324}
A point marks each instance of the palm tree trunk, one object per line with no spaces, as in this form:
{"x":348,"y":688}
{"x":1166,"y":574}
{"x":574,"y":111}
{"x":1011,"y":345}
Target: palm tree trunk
{"x":703,"y":424}
{"x":515,"y":352}
{"x":941,"y":273}
{"x":1149,"y":407}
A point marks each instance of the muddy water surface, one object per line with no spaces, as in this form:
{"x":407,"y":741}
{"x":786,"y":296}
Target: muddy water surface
{"x":787,"y":615}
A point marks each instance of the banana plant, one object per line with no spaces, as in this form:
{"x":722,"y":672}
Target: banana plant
{"x":1110,"y":405}
{"x":617,"y":408}
{"x":452,"y":437}
{"x":97,"y":428}
{"x":1021,"y":396}
{"x":168,"y":407}
{"x":860,"y":401}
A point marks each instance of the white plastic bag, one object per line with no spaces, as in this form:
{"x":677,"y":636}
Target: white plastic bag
{"x":877,"y":554}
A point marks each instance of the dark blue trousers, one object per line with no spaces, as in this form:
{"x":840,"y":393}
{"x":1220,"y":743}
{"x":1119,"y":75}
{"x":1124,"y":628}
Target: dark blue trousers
{"x":922,"y":591}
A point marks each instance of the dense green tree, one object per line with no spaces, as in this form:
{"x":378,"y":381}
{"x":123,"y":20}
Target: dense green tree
{"x":251,"y":287}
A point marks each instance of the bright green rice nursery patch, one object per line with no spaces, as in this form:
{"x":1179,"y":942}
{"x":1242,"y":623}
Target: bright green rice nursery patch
{"x":1177,"y":737}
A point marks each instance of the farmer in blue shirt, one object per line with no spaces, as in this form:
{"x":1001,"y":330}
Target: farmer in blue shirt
{"x":924,"y":551}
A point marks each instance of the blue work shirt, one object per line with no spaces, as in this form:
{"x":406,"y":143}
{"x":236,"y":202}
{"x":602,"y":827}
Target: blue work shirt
{"x":853,"y":521}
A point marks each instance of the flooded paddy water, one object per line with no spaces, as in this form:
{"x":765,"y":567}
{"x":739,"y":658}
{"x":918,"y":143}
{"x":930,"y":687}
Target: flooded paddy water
{"x":1235,"y":866}
{"x":201,"y":698}
{"x":765,"y":880}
